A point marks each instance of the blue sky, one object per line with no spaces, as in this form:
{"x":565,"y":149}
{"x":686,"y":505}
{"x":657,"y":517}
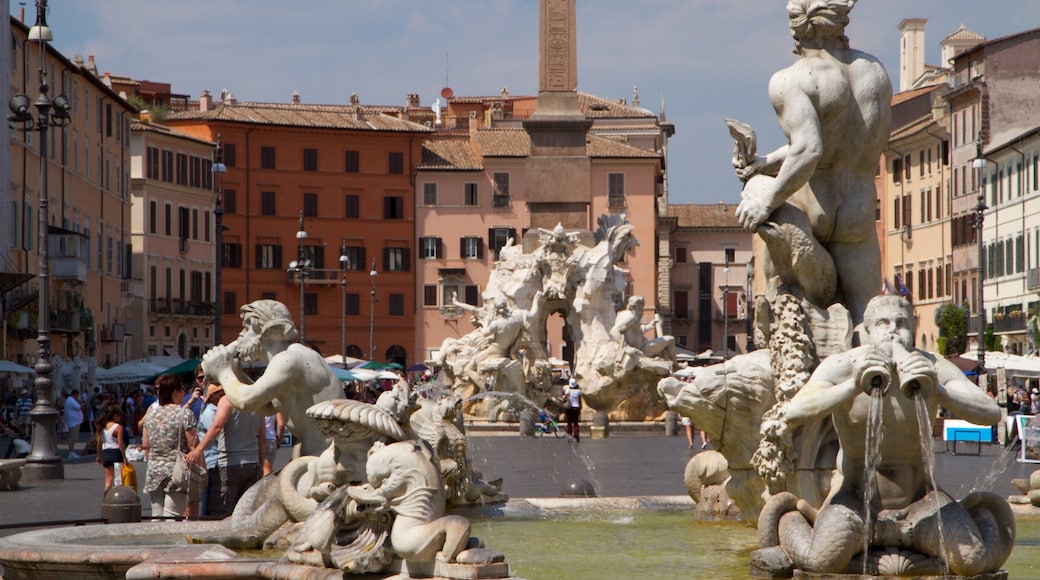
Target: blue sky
{"x":708,"y":59}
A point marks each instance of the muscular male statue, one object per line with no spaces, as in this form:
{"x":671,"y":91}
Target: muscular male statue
{"x":979,"y":531}
{"x":833,"y":105}
{"x":296,"y":376}
{"x":628,"y":331}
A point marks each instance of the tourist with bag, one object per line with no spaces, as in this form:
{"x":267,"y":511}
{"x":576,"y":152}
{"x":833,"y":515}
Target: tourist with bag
{"x":110,"y":444}
{"x":168,"y":431}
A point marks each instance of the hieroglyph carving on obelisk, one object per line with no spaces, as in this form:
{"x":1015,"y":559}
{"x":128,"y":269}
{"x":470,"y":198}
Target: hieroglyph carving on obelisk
{"x":558,"y":62}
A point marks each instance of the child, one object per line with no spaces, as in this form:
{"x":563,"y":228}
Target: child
{"x":109,"y":429}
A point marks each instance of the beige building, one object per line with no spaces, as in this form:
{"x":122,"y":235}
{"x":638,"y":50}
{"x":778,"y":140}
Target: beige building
{"x":88,"y":198}
{"x":709,"y":266}
{"x":173,"y":235}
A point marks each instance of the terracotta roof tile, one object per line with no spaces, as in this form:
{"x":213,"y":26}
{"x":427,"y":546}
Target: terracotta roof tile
{"x":165,"y":130}
{"x":449,"y":155}
{"x":708,"y":216}
{"x":908,"y":95}
{"x":311,"y":116}
{"x":502,"y":142}
{"x":605,"y":147}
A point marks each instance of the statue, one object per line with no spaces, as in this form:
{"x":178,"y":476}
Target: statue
{"x":906,"y":514}
{"x":818,"y":189}
{"x":628,"y":331}
{"x":295,"y":378}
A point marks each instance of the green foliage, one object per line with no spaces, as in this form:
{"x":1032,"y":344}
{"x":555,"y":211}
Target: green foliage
{"x":992,"y":340}
{"x":952,"y":321}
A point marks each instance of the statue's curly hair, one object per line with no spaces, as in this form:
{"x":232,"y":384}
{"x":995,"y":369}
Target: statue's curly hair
{"x":273,"y":317}
{"x":813,"y":19}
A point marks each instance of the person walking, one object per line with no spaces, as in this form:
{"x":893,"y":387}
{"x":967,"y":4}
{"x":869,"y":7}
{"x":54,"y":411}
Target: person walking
{"x":572,"y":402}
{"x":23,"y":405}
{"x":274,"y":425}
{"x":168,"y":430}
{"x":73,"y":420}
{"x":110,"y":443}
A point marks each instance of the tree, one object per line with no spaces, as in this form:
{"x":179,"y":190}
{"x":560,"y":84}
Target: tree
{"x":952,"y":321}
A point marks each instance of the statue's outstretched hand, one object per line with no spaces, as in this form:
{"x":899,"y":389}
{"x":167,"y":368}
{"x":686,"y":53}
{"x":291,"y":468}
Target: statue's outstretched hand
{"x":918,"y":366}
{"x":217,"y":361}
{"x":746,"y":171}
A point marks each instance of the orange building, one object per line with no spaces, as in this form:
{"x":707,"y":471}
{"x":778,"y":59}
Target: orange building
{"x":305,"y":185}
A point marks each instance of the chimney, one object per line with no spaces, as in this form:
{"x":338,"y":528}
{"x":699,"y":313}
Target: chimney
{"x":354,"y":100}
{"x":911,"y":51}
{"x":91,"y":65}
{"x":295,"y":98}
{"x":205,"y":101}
{"x":413,"y":99}
{"x":359,"y":113}
{"x":472,"y":122}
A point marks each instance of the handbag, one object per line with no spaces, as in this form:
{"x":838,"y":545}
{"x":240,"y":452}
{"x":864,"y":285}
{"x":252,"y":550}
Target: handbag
{"x":128,"y":475}
{"x":188,"y":478}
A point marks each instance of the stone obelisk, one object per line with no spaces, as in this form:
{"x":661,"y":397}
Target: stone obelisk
{"x":558,"y":169}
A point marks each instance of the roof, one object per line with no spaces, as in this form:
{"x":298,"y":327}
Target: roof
{"x":714,"y":215}
{"x":912,"y":93}
{"x":297,"y":115}
{"x":465,"y":153}
{"x":171,"y":131}
{"x":962,"y":33}
{"x":450,"y":155}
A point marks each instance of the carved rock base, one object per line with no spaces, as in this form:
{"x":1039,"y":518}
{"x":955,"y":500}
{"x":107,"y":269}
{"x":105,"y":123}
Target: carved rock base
{"x":473,"y":563}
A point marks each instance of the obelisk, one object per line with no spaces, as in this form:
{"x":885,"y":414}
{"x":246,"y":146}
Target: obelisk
{"x":558,"y":169}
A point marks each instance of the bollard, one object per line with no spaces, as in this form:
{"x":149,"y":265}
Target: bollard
{"x":671,"y":423}
{"x":527,"y":420}
{"x":600,"y":426}
{"x":121,"y":505}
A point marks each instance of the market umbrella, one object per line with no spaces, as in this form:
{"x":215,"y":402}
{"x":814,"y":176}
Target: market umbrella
{"x":344,"y":374}
{"x":7,"y":366}
{"x":181,"y":368}
{"x":378,"y":366}
{"x":418,"y":368}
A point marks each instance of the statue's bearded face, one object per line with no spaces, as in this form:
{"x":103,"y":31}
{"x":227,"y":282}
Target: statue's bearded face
{"x":249,"y":346}
{"x":891,"y":323}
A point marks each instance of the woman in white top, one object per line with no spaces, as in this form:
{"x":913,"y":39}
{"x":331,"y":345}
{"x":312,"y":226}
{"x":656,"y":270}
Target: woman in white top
{"x":109,"y":429}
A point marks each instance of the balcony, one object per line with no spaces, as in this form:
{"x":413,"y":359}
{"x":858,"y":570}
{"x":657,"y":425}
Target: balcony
{"x":451,"y":312}
{"x":500,"y":201}
{"x":179,"y":306}
{"x":68,"y":252}
{"x":681,"y":315}
{"x":114,"y":333}
{"x":65,"y":322}
{"x":314,"y":276}
{"x":1009,"y":324}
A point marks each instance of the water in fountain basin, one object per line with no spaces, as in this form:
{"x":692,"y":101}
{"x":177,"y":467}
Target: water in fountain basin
{"x":870,"y":463}
{"x":924,"y":430}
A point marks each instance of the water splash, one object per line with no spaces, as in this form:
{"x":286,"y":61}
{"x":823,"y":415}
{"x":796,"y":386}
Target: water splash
{"x":516,"y":400}
{"x":924,"y":430}
{"x":987,"y":480}
{"x":871,"y":458}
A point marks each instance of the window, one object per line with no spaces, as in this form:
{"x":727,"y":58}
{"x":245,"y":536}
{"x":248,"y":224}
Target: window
{"x":616,"y":190}
{"x":195,"y":171}
{"x":356,"y":254}
{"x":153,"y":163}
{"x":315,"y":255}
{"x":152,"y":217}
{"x":310,"y":303}
{"x":395,"y":260}
{"x":310,"y":159}
{"x":169,"y":220}
{"x":469,"y":194}
{"x":430,"y":248}
{"x":397,"y":305}
{"x":352,"y":203}
{"x":310,"y":205}
{"x":232,"y":258}
{"x":267,"y":157}
{"x":497,"y":238}
{"x":266,"y":203}
{"x":227,"y":199}
{"x":501,"y":183}
{"x":353,"y":162}
{"x":167,"y":166}
{"x":907,"y":163}
{"x":681,"y":304}
{"x":206,"y":229}
{"x":731,"y":255}
{"x":395,"y":163}
{"x":920,"y":163}
{"x":430,"y":295}
{"x":897,"y":169}
{"x":353,"y":304}
{"x":429,"y":194}
{"x":228,"y":149}
{"x":182,"y":169}
{"x":680,"y":254}
{"x":471,"y":294}
{"x":393,"y":207}
{"x":472,"y":248}
{"x":268,"y":257}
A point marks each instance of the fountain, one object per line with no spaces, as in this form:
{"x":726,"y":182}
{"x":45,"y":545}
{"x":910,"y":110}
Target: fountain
{"x":831,"y":473}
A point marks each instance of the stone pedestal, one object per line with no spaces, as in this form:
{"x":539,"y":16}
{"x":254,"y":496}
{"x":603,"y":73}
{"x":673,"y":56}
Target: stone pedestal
{"x":600,"y":426}
{"x":671,"y":423}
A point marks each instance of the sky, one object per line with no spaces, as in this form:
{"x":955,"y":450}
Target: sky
{"x":707,"y":59}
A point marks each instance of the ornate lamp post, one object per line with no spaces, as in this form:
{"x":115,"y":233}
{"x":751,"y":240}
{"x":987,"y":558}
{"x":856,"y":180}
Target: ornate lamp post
{"x":219,"y":169}
{"x":43,"y":461}
{"x":372,"y":315}
{"x":980,"y":209}
{"x":344,"y":265}
{"x":300,"y":268}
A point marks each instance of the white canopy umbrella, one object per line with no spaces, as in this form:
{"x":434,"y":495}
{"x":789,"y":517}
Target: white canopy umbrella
{"x":7,"y":366}
{"x":136,"y":370}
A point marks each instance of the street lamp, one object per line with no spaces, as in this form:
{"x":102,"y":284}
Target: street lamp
{"x":43,"y":461}
{"x":219,"y":169}
{"x":980,"y":208}
{"x":725,"y":311}
{"x":372,"y":315}
{"x":300,"y":268}
{"x":344,"y":265}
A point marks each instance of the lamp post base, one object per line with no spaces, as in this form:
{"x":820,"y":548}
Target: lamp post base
{"x":42,"y":470}
{"x":43,"y":461}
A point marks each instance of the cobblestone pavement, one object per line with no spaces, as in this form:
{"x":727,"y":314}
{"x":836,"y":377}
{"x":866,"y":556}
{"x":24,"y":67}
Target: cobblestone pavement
{"x":625,"y":464}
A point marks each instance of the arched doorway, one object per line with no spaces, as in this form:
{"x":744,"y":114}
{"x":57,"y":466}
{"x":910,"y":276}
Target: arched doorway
{"x":397,"y":354}
{"x":182,"y":345}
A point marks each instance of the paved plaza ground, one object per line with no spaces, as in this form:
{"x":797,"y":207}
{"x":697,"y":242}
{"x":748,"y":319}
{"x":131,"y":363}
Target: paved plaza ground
{"x":629,"y":463}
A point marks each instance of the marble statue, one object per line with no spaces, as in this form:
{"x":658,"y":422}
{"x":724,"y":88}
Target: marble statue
{"x":977,"y":533}
{"x":579,"y":276}
{"x":295,"y":378}
{"x":819,"y":426}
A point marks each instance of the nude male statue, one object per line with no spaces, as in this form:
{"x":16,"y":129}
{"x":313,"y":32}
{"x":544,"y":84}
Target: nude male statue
{"x":296,"y":376}
{"x":628,"y":331}
{"x":833,"y":105}
{"x":500,"y":335}
{"x":976,"y":536}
